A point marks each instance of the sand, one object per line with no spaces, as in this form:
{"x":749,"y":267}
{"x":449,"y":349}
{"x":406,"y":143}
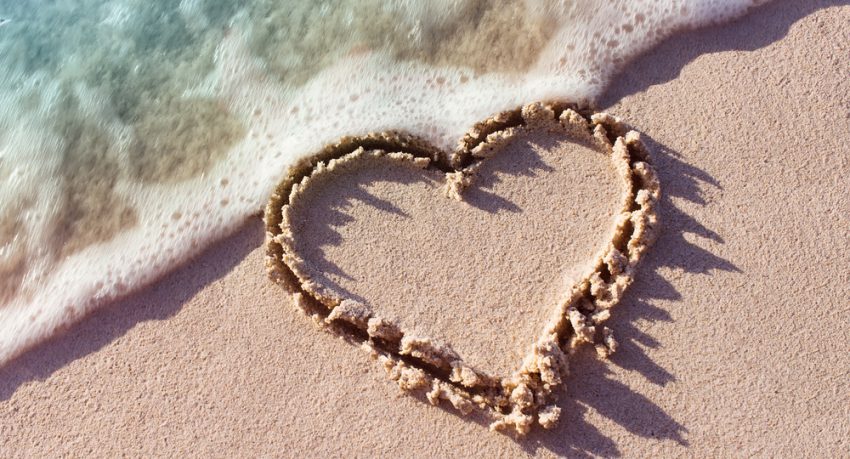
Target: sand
{"x":464,"y":273}
{"x":506,"y":232}
{"x":733,"y":337}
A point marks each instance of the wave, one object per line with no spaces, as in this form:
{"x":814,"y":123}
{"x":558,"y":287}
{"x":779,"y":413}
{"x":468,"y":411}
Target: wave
{"x":136,"y":132}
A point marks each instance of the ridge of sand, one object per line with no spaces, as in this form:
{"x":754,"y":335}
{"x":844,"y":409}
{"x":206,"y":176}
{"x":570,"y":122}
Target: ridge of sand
{"x":422,"y":363}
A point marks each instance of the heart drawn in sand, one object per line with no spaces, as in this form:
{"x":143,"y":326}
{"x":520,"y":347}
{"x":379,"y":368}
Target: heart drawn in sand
{"x":419,"y":363}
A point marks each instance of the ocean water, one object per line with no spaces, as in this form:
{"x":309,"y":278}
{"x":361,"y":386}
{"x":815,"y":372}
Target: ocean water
{"x":133,"y":133}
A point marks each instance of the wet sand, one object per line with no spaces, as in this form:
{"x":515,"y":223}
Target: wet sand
{"x":733,"y":338}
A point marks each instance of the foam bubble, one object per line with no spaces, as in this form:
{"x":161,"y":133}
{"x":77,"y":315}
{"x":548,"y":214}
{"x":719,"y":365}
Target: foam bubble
{"x":142,"y":131}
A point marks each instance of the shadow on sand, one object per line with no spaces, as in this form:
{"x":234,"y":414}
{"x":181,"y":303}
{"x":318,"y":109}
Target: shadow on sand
{"x":590,"y":386}
{"x":160,"y":301}
{"x":319,"y":217}
{"x":758,"y":29}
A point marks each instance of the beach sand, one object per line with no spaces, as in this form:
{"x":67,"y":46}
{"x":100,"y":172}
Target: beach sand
{"x":733,"y":337}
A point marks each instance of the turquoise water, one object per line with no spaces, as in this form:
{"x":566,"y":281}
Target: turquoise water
{"x":133,"y":133}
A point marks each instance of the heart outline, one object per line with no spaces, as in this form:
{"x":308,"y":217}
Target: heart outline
{"x":418,"y":363}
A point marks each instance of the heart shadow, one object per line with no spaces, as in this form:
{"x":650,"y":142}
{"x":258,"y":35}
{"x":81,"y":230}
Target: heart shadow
{"x":311,"y":203}
{"x":591,"y":385}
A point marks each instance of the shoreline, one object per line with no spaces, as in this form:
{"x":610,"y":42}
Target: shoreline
{"x":715,"y":351}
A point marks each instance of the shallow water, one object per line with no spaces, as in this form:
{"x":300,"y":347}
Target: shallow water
{"x":135,"y":132}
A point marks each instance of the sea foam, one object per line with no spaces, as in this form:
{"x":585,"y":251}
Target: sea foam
{"x":135,"y":133}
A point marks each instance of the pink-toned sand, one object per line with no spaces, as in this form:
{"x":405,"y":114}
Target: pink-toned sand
{"x":734,"y":337}
{"x":483,"y":273}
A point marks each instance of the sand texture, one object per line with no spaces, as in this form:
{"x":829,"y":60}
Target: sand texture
{"x":505,"y":271}
{"x":733,"y":337}
{"x":477,"y":285}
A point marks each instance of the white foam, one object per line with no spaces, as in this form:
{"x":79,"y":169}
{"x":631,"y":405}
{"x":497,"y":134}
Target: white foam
{"x":360,"y":92}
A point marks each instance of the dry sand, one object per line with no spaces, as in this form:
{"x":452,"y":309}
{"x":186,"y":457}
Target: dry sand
{"x":734,"y":336}
{"x":482,"y":273}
